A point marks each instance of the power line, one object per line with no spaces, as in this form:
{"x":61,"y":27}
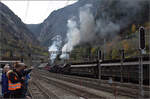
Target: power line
{"x":27,"y":9}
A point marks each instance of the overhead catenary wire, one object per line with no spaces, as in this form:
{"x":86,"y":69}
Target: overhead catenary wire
{"x":27,"y":9}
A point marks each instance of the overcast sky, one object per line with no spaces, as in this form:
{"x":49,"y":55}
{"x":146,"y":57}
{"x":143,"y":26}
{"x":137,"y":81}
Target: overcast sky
{"x":33,"y":12}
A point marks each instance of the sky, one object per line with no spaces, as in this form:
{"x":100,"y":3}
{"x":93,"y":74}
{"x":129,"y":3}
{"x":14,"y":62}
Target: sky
{"x":34,"y":12}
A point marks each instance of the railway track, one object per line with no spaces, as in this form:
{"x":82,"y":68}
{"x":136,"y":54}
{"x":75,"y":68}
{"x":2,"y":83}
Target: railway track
{"x":79,"y":94}
{"x":50,"y":89}
{"x":125,"y":85}
{"x":35,"y":91}
{"x":128,"y":90}
{"x":128,"y":85}
{"x":38,"y":91}
{"x":82,"y":94}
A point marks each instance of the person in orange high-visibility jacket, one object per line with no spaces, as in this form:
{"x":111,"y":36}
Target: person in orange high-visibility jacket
{"x":15,"y":82}
{"x":14,"y":86}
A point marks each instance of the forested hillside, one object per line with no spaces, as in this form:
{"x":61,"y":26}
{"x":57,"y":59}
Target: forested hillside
{"x":16,"y":40}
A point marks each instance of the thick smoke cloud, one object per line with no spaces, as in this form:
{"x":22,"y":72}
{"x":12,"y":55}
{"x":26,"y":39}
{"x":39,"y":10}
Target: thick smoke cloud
{"x":73,"y":37}
{"x":87,"y":24}
{"x":87,"y":30}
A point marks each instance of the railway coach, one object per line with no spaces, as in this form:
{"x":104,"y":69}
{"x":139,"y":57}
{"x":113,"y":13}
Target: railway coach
{"x":88,"y":70}
{"x":128,"y":71}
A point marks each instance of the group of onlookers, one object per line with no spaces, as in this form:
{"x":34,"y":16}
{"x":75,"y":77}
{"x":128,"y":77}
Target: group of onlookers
{"x":15,"y":81}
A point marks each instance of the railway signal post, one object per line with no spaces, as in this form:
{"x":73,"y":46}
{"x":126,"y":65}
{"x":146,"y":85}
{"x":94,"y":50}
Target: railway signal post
{"x":99,"y":65}
{"x":142,"y":50}
{"x":121,"y":67}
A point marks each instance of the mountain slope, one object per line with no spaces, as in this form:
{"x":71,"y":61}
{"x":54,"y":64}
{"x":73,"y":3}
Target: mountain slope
{"x":35,"y":29}
{"x":16,"y":38}
{"x":111,"y":17}
{"x":56,"y":23}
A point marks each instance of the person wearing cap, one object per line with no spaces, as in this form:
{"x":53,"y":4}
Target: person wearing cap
{"x":5,"y":91}
{"x":25,"y":73}
{"x":15,"y":81}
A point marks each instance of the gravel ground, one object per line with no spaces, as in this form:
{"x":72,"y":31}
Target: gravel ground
{"x":59,"y":92}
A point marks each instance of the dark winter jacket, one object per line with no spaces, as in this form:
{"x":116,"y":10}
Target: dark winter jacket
{"x":4,"y":84}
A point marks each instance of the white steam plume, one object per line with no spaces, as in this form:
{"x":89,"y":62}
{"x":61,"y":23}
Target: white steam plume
{"x":55,"y":47}
{"x":73,"y":37}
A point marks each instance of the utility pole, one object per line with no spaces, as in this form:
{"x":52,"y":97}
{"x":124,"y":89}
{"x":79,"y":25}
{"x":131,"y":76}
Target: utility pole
{"x":142,"y":50}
